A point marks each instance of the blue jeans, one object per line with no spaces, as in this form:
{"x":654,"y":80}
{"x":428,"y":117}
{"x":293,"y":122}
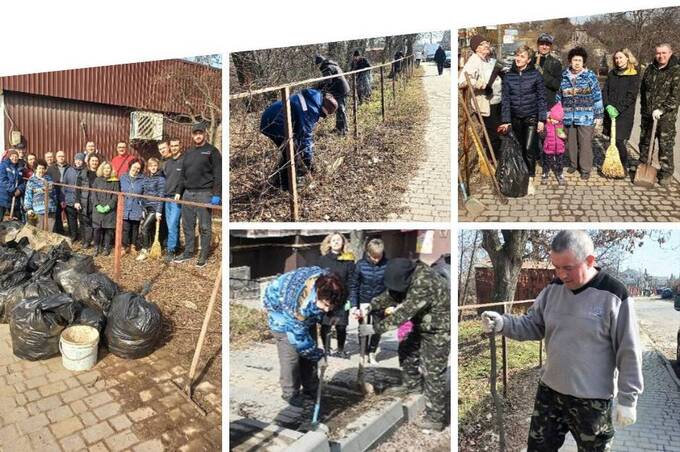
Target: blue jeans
{"x":173,"y":212}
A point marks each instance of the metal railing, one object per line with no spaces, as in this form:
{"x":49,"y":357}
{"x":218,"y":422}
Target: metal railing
{"x":285,"y":91}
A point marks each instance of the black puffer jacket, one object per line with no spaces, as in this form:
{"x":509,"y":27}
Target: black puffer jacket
{"x":551,"y":70}
{"x":523,"y":95}
{"x":343,"y":266}
{"x":368,"y":281}
{"x":621,"y":90}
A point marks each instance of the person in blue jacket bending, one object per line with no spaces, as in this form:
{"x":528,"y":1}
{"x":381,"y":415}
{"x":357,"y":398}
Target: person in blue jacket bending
{"x":307,"y":108}
{"x":295,"y":303}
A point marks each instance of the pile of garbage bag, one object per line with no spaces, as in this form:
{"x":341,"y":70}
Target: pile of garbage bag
{"x":42,"y":292}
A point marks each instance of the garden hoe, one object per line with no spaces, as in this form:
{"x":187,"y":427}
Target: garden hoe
{"x":365,"y":388}
{"x":315,"y":425}
{"x":494,"y":393}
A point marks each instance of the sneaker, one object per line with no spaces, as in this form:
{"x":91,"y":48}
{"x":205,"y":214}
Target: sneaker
{"x":142,"y":255}
{"x":561,"y":181}
{"x":585,"y":176}
{"x":200,"y":262}
{"x":182,"y":258}
{"x":428,"y":425}
{"x":97,"y":251}
{"x":293,"y":400}
{"x":531,"y":189}
{"x":107,"y":251}
{"x":544,"y":179}
{"x":169,"y":257}
{"x":571,"y":170}
{"x":341,"y":354}
{"x":371,"y":361}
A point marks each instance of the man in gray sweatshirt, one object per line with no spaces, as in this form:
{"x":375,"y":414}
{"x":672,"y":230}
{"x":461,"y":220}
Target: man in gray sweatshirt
{"x":590,"y":331}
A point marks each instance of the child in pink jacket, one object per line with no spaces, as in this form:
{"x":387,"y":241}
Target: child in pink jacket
{"x":553,"y":144}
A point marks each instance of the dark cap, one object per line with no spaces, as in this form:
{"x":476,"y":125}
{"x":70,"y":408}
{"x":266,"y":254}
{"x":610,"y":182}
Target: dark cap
{"x":357,"y":53}
{"x":475,"y":41}
{"x":79,"y":156}
{"x":318,"y":59}
{"x":198,"y":127}
{"x":398,"y":273}
{"x":546,"y":37}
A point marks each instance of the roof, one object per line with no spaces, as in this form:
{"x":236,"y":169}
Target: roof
{"x":144,"y":86}
{"x":526,"y":265}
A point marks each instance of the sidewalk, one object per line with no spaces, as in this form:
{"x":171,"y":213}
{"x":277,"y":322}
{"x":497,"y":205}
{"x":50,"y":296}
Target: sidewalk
{"x":119,"y":405}
{"x":658,"y":420}
{"x":429,"y":193}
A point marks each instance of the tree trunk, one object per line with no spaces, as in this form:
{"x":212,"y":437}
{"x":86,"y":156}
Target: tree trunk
{"x":506,"y":259}
{"x":247,"y":69}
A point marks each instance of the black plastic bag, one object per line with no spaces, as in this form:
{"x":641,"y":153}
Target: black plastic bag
{"x":70,"y":273}
{"x":91,"y":317}
{"x":34,"y":288}
{"x":35,"y":325}
{"x":133,"y":326}
{"x":10,"y":259}
{"x":13,"y":278}
{"x":95,"y":290}
{"x":512,"y":172}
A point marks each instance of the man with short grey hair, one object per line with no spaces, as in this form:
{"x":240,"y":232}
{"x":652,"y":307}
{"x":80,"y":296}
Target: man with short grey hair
{"x":588,"y":322}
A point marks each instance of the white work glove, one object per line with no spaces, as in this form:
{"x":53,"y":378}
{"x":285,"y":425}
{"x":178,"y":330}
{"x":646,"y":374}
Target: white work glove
{"x":390,"y":310}
{"x":354,"y":312}
{"x":158,"y":215}
{"x":366,"y":330}
{"x":656,"y":114}
{"x":492,"y":322}
{"x":365,"y":309}
{"x":625,"y":415}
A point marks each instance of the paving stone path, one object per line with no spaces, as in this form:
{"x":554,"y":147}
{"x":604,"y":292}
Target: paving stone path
{"x":428,"y":197}
{"x":595,"y":200}
{"x":130,"y":405}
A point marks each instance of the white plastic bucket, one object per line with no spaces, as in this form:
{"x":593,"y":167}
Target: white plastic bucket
{"x":78,"y":345}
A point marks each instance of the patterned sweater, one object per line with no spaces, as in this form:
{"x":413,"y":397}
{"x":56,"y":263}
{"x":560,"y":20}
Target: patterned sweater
{"x":581,"y":98}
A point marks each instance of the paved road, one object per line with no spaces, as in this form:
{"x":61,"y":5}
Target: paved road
{"x":661,"y":322}
{"x":658,"y":424}
{"x":428,"y":197}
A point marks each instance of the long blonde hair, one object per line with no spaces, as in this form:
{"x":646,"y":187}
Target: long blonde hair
{"x":632,"y":61}
{"x":326,"y":244}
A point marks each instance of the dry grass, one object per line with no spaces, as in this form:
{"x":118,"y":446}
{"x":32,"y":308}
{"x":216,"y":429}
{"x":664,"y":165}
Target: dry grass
{"x":356,"y":180}
{"x":247,"y":326}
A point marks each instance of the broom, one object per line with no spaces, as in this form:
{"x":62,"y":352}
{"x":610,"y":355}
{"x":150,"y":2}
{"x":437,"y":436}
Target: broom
{"x":156,"y":247}
{"x":612,"y":166}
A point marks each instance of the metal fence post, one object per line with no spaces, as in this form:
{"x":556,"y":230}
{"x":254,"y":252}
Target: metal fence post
{"x":382,"y":92}
{"x":540,"y":353}
{"x":290,"y":145}
{"x":354,"y":102}
{"x":118,"y":241}
{"x":394,"y":82}
{"x":505,"y":360}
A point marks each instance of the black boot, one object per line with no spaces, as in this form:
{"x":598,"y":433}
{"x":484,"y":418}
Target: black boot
{"x":98,"y":250}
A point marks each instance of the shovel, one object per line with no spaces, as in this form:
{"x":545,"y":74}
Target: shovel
{"x":156,"y":247}
{"x":11,"y":209}
{"x":645,"y":176}
{"x":365,"y":388}
{"x":315,"y":425}
{"x":473,"y":205}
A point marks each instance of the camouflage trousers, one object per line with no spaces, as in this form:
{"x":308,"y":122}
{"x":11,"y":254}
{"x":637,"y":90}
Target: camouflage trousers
{"x":428,"y":352}
{"x":665,"y":132}
{"x":555,"y":414}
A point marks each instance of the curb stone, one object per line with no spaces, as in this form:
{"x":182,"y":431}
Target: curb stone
{"x":376,"y":428}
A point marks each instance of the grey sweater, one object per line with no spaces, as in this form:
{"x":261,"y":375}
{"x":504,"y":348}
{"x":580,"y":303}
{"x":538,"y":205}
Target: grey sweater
{"x":588,"y":334}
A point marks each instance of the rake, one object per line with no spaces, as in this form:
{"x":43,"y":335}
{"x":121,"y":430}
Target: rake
{"x":155,"y":251}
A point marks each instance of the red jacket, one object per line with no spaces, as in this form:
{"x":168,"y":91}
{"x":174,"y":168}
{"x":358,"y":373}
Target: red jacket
{"x":121,"y":163}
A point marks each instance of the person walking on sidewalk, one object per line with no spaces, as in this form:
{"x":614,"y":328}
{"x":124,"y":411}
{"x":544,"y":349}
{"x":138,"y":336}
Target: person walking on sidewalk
{"x":440,"y":59}
{"x":588,"y":322}
{"x":201,"y":182}
{"x":295,"y":303}
{"x":416,"y":293}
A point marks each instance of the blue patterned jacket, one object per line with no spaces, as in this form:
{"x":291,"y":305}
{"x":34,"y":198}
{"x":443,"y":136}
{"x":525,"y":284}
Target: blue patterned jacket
{"x":581,"y":98}
{"x":290,"y":301}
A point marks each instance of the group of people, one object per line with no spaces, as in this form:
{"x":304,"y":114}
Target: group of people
{"x":381,"y":294}
{"x":552,"y":110}
{"x":90,"y":215}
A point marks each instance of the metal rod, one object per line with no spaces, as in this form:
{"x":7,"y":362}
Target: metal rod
{"x":481,"y":119}
{"x":46,"y":224}
{"x":118,"y":241}
{"x":494,"y":392}
{"x":504,"y":343}
{"x":382,"y":93}
{"x":540,"y":353}
{"x":290,"y":144}
{"x":354,"y":102}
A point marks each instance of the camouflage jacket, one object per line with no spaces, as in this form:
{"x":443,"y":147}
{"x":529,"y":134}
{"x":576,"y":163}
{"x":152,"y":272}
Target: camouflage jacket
{"x":660,"y":89}
{"x":427,"y":303}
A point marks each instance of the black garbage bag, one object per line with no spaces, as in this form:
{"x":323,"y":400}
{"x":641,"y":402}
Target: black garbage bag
{"x":70,"y":273}
{"x":91,"y":317}
{"x":35,"y":325}
{"x":13,"y":278}
{"x":133,"y":326}
{"x":33,"y":288}
{"x":9,"y":258}
{"x":512,"y":172}
{"x":10,"y":228}
{"x":42,"y":262}
{"x":95,"y":290}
